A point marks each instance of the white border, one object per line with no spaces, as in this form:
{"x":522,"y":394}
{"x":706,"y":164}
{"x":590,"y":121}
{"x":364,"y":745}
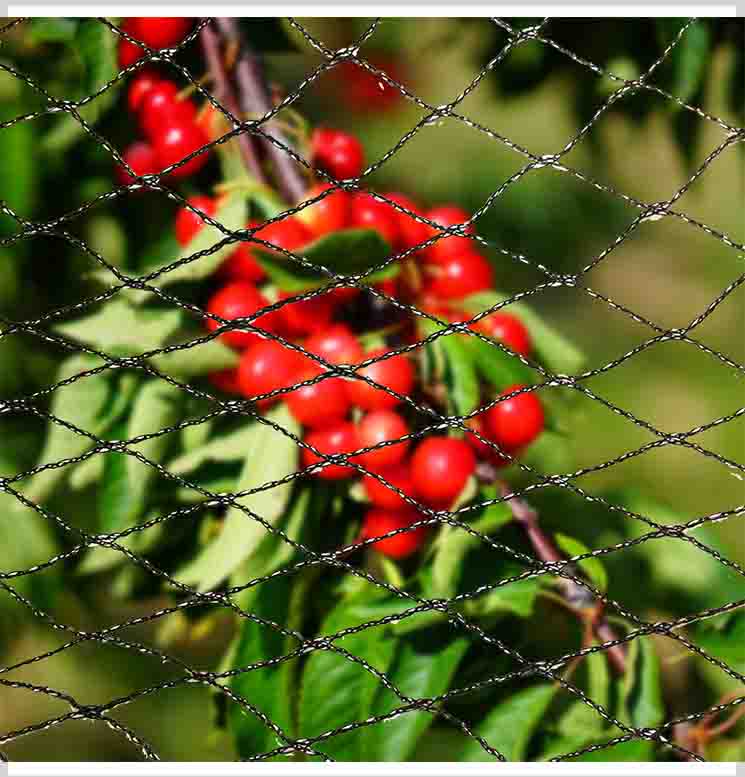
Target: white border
{"x":258,"y":769}
{"x":384,"y":8}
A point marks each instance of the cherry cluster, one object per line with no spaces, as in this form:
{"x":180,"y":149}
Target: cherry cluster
{"x":341,"y":415}
{"x":171,"y":125}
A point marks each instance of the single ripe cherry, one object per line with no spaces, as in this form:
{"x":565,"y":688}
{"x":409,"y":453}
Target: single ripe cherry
{"x":335,"y":439}
{"x":395,"y":373}
{"x":458,"y":275}
{"x":289,"y":233}
{"x":449,"y":216}
{"x":267,"y":366}
{"x":338,"y":153}
{"x":189,"y":223}
{"x":225,"y":380}
{"x":327,"y":215}
{"x":378,"y":427}
{"x":127,"y":52}
{"x":304,"y":317}
{"x":319,"y":404}
{"x":178,"y":141}
{"x":368,"y":213}
{"x":440,"y":468}
{"x":141,"y":157}
{"x":381,"y":495}
{"x":162,"y":32}
{"x":242,"y":264}
{"x":515,"y":422}
{"x":141,"y":84}
{"x":508,"y":330}
{"x":337,"y":345}
{"x":480,"y":448}
{"x":161,"y":106}
{"x":239,"y":300}
{"x":410,"y":231}
{"x":380,"y":522}
{"x":365,"y":92}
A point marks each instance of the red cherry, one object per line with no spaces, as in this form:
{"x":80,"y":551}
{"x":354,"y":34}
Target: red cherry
{"x":378,"y":427}
{"x":338,"y":153}
{"x":242,"y":264}
{"x":337,"y":345}
{"x":508,"y":330}
{"x":225,"y":380}
{"x":480,"y":448}
{"x":339,"y":438}
{"x":366,"y":92}
{"x":380,"y":522}
{"x":343,"y":295}
{"x":319,"y":404}
{"x":239,"y":300}
{"x":162,"y":32}
{"x":289,"y":233}
{"x":516,"y":422}
{"x":329,"y":214}
{"x":161,"y":107}
{"x":140,"y":156}
{"x":177,"y":142}
{"x":128,"y":53}
{"x":189,"y":223}
{"x":448,"y":216}
{"x":369,"y":213}
{"x":395,"y":373}
{"x":411,"y":232}
{"x":440,"y":468}
{"x":266,"y":366}
{"x":142,"y":83}
{"x":458,"y":275}
{"x":305,"y":316}
{"x":381,"y":495}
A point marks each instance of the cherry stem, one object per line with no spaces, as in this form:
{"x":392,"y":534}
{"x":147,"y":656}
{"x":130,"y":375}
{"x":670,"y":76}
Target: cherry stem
{"x":225,"y":94}
{"x":254,"y":99}
{"x":577,"y":598}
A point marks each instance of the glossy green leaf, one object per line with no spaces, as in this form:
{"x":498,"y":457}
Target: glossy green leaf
{"x":196,"y":360}
{"x":241,"y":534}
{"x":497,"y":367}
{"x":642,"y":705}
{"x":510,"y":725}
{"x":226,"y":447}
{"x":592,"y":567}
{"x":516,"y":598}
{"x":725,"y":642}
{"x":417,"y":674}
{"x":463,"y":384}
{"x":553,"y":348}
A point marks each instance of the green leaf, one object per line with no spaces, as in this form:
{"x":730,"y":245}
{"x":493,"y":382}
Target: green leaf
{"x":227,"y":447}
{"x":19,"y":179}
{"x":196,"y":360}
{"x":461,"y":374}
{"x":52,"y":30}
{"x":96,"y":48}
{"x":268,"y":456}
{"x":417,"y":673}
{"x":516,"y":598}
{"x":689,"y":60}
{"x":726,"y":642}
{"x":126,"y":480}
{"x":337,"y":691}
{"x":511,"y":724}
{"x":119,"y":329}
{"x":641,"y":695}
{"x":554,"y":349}
{"x":497,"y":367}
{"x":592,"y":567}
{"x":345,"y":252}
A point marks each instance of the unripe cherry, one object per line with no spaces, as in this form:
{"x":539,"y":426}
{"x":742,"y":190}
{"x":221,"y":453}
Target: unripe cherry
{"x":338,"y":153}
{"x":239,"y":300}
{"x":320,"y":404}
{"x":378,"y":427}
{"x":399,"y":475}
{"x":334,"y":439}
{"x":396,"y":373}
{"x":267,"y":366}
{"x":179,"y":140}
{"x":514,"y":423}
{"x":327,"y":215}
{"x":440,"y":467}
{"x":380,"y":522}
{"x":188,"y":223}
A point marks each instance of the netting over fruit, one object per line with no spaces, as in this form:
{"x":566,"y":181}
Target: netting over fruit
{"x":582,"y":593}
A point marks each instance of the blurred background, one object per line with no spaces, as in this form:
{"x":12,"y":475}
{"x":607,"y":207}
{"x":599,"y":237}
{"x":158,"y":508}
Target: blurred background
{"x":667,"y":271}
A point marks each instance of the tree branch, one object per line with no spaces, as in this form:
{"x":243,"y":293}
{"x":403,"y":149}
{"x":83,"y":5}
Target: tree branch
{"x":254,"y":99}
{"x":581,"y":601}
{"x":223,"y":93}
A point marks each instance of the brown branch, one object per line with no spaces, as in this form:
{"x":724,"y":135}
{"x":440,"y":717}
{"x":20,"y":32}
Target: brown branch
{"x":224,"y":93}
{"x":254,"y":100}
{"x":581,"y":601}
